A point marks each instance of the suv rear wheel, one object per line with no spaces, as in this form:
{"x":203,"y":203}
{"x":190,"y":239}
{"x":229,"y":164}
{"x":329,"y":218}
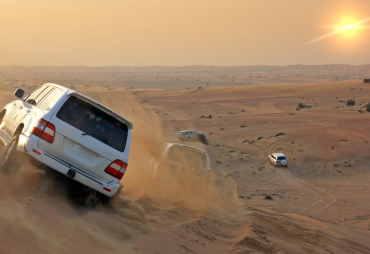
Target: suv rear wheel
{"x":9,"y":163}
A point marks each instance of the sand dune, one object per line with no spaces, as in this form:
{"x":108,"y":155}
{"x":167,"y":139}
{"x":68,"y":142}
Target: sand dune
{"x":320,"y":204}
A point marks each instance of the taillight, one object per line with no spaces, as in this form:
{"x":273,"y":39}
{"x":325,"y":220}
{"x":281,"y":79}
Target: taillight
{"x":117,"y":169}
{"x":44,"y":130}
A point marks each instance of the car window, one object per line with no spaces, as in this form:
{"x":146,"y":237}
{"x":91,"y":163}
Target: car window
{"x":186,"y":133}
{"x":32,"y":96}
{"x":273,"y":156}
{"x":43,"y":94}
{"x":50,"y":98}
{"x":94,"y":122}
{"x":280,"y":158}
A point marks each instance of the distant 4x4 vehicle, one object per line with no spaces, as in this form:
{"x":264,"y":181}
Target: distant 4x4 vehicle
{"x":70,"y":133}
{"x":278,"y":159}
{"x":188,"y":135}
{"x":177,"y":158}
{"x":191,"y":135}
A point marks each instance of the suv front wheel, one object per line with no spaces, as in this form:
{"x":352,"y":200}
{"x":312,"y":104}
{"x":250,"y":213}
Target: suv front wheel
{"x":9,"y":162}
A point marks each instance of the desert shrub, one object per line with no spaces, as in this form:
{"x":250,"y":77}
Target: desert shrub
{"x":219,"y":162}
{"x":368,"y":107}
{"x":280,"y":134}
{"x":243,"y":126}
{"x":259,"y":138}
{"x":268,"y":197}
{"x":351,"y":102}
{"x":301,"y":105}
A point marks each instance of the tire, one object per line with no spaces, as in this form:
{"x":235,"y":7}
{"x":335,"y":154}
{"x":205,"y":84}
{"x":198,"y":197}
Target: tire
{"x":83,"y":196}
{"x":9,"y":163}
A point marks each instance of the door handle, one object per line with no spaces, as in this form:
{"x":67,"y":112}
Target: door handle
{"x":28,"y":111}
{"x":20,"y":107}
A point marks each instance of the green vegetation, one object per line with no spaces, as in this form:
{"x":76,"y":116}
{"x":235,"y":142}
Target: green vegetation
{"x":280,"y":134}
{"x":301,"y":105}
{"x":351,"y":102}
{"x":268,"y":197}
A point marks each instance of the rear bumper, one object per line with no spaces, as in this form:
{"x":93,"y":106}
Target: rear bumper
{"x":29,"y":146}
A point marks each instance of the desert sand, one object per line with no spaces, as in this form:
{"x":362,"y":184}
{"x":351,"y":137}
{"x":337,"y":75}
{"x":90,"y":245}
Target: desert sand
{"x":319,"y":204}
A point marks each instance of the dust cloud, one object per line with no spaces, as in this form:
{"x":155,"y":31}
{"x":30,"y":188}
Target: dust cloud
{"x":196,"y":190}
{"x":36,"y":211}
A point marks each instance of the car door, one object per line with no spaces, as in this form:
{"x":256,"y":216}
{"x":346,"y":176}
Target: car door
{"x":29,"y":109}
{"x":187,"y":133}
{"x":9,"y":123}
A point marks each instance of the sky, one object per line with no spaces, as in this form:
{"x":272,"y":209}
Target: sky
{"x":187,"y":32}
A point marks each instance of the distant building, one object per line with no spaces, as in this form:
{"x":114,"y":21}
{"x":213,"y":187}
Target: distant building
{"x":367,"y":80}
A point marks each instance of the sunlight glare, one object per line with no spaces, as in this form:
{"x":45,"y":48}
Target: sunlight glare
{"x":349,"y":27}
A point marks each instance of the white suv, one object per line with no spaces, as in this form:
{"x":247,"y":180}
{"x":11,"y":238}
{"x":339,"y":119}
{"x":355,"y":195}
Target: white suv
{"x":278,"y":159}
{"x":69,"y":133}
{"x":177,"y":158}
{"x":188,"y":135}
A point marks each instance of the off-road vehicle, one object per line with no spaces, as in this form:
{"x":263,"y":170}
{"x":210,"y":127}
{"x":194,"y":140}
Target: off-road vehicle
{"x":278,"y":159}
{"x":178,"y":157}
{"x":69,"y":133}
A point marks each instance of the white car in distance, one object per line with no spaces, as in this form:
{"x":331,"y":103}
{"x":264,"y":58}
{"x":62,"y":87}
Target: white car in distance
{"x":278,"y":159}
{"x":178,"y":157}
{"x":188,"y":135}
{"x":69,"y":133}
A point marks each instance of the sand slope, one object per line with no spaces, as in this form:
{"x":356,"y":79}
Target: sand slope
{"x":319,"y":203}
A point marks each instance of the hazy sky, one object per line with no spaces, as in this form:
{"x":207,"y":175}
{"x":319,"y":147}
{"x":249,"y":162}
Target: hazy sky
{"x":187,"y":32}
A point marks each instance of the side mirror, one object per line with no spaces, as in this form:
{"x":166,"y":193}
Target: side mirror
{"x":19,"y":93}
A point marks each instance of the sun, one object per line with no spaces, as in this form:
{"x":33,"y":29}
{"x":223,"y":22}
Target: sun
{"x":348,"y":28}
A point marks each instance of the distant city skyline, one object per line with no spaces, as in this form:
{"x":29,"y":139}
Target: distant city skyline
{"x":183,"y":33}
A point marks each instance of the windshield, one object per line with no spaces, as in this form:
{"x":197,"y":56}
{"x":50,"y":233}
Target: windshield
{"x":281,"y":158}
{"x":94,"y":122}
